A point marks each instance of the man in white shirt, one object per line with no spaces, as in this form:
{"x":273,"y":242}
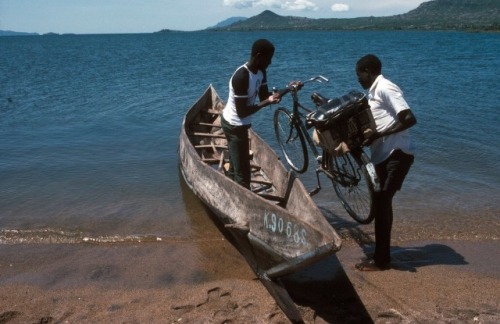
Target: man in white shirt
{"x":391,"y":152}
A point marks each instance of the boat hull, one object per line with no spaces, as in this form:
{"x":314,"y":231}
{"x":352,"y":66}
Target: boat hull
{"x":277,"y":234}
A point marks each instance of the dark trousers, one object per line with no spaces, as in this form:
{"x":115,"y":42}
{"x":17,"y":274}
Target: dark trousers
{"x":239,"y":156}
{"x":392,"y":173}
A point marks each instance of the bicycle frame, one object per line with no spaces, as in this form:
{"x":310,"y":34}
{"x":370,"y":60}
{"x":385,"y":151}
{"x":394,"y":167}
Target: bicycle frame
{"x":322,"y":159}
{"x":352,"y":174}
{"x":298,"y":120}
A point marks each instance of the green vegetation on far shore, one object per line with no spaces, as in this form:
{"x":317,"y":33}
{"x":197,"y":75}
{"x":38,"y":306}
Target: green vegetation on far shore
{"x":464,"y":15}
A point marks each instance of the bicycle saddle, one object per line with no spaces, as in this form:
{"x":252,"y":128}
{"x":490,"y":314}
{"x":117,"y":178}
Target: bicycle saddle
{"x":332,"y":110}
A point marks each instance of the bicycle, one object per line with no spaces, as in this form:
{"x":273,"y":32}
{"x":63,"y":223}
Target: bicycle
{"x":352,"y":174}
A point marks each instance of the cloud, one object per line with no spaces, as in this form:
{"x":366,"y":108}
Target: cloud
{"x":292,"y":5}
{"x":239,"y":4}
{"x":303,"y":5}
{"x":340,"y":7}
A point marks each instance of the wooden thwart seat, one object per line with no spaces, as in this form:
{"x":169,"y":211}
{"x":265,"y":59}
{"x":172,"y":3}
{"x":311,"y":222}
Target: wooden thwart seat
{"x":207,"y":146}
{"x":207,"y":124}
{"x":262,"y":182}
{"x":211,"y":160}
{"x":209,"y":135}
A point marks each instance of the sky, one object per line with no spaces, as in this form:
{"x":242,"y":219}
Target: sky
{"x":145,"y":16}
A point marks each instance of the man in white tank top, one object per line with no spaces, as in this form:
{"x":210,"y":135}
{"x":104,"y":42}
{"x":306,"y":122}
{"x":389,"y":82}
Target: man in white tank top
{"x":391,"y":152}
{"x":247,"y":83}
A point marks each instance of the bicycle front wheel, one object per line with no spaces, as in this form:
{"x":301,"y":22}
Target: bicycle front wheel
{"x":291,"y":140}
{"x":352,"y":185}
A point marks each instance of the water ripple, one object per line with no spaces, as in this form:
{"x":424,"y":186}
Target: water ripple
{"x":53,"y":236}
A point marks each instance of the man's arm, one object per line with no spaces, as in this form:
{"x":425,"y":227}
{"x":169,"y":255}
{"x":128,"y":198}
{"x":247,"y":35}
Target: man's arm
{"x":243,"y":110}
{"x":264,"y":89}
{"x":406,"y":119}
{"x":265,"y":98}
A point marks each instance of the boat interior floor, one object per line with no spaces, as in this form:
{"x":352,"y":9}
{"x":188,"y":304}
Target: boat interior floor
{"x":210,"y":142}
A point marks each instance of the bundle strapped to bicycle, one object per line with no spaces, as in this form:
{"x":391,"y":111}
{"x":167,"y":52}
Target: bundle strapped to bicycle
{"x":345,"y":119}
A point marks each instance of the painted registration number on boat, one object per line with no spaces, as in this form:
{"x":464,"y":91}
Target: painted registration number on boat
{"x":291,"y":230}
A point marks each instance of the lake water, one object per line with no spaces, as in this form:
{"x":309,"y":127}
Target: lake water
{"x":89,"y":128}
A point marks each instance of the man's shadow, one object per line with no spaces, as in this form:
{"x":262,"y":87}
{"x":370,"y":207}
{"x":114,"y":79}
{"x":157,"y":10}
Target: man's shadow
{"x":411,"y":258}
{"x":402,"y":258}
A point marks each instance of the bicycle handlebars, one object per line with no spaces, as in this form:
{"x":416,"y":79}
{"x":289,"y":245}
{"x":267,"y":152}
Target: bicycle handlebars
{"x":295,"y":86}
{"x":318,"y":78}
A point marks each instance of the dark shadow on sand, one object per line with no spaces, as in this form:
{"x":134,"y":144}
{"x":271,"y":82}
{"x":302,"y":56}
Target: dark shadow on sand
{"x":403,"y":258}
{"x":325,"y":288}
{"x":411,"y":258}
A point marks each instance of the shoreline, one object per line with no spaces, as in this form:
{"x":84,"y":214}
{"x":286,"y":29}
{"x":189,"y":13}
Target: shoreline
{"x":433,"y":281}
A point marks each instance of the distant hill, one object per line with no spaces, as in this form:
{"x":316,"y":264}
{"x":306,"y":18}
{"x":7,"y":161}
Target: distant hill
{"x":229,"y":22}
{"x":13,"y":33}
{"x":471,"y":15}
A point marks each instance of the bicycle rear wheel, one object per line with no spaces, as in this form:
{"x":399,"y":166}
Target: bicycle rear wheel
{"x":352,"y":185}
{"x":291,"y":140}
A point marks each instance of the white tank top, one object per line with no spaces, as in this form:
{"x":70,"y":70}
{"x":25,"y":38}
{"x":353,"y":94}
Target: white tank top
{"x":255,"y":81}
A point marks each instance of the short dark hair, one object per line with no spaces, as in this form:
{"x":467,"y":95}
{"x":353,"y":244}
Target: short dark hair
{"x":262,"y":46}
{"x":371,"y":63}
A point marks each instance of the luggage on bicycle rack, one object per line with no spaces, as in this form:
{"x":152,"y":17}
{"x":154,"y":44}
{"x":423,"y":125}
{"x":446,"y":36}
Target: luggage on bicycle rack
{"x":343,"y":119}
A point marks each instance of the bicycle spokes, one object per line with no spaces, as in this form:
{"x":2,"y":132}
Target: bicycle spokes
{"x":352,"y":185}
{"x":290,"y":139}
{"x":347,"y":174}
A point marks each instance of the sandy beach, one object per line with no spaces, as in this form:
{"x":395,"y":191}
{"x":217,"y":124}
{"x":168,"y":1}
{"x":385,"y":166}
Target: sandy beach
{"x":209,"y":282}
{"x":89,"y":158}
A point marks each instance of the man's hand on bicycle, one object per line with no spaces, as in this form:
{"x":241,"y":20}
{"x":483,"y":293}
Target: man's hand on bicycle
{"x":274,"y":98}
{"x":278,"y":94}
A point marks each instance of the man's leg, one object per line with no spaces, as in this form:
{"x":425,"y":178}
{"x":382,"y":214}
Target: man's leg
{"x":392,"y":172}
{"x":228,"y":131}
{"x":241,"y":162}
{"x":383,"y":228}
{"x":238,"y":147}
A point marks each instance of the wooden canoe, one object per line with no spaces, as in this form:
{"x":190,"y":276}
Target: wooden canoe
{"x":276,"y":226}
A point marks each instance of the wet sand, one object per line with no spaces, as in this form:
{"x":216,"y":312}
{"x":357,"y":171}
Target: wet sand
{"x":209,"y":282}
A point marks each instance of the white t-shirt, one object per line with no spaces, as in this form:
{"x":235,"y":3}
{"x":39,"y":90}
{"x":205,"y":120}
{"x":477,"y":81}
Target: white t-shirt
{"x":386,"y":101}
{"x":243,"y":84}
